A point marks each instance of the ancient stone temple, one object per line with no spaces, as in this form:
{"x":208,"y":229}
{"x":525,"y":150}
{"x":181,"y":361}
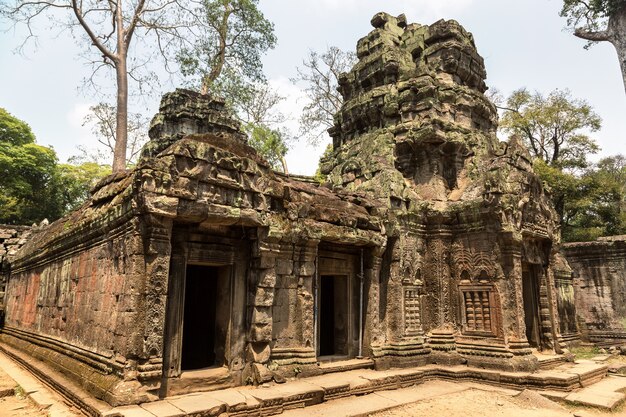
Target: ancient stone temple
{"x":599,"y":276}
{"x":432,"y":242}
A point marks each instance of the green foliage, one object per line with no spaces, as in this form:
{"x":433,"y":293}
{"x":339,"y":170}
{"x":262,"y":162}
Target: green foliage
{"x":34,"y":186}
{"x":13,"y":130}
{"x":328,"y":152}
{"x":28,"y":191}
{"x":563,"y":186}
{"x":77,"y":180}
{"x":552,"y":127}
{"x":592,"y":203}
{"x":227,"y":58}
{"x":592,"y":14}
{"x":269,"y":143}
{"x":597,"y":206}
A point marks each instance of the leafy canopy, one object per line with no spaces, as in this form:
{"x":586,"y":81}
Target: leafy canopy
{"x":591,"y":14}
{"x":554,"y":127}
{"x":269,"y":143}
{"x":226,"y":57}
{"x":13,"y":130}
{"x":34,"y":186}
{"x":596,"y":203}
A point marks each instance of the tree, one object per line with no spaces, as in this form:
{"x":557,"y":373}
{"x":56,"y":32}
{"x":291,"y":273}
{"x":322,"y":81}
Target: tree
{"x":76,"y":182}
{"x":226,"y":58}
{"x":13,"y":130}
{"x":599,"y":21}
{"x":320,"y":75}
{"x":597,"y":205}
{"x":123,"y":35}
{"x":28,"y":172}
{"x":34,"y":187}
{"x":270,"y":144}
{"x":103,"y":121}
{"x":552,"y":127}
{"x":264,"y":123}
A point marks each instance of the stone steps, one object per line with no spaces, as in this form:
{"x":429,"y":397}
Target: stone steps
{"x":304,"y":392}
{"x":551,"y":361}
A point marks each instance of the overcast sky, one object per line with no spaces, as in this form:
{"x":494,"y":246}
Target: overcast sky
{"x":523,"y":44}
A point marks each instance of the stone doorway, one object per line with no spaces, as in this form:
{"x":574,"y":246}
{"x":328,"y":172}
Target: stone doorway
{"x":334,"y":315}
{"x":206,"y":316}
{"x":530,"y":292}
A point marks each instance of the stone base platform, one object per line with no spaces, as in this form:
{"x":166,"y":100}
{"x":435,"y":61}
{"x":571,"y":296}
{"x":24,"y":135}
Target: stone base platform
{"x":560,"y":382}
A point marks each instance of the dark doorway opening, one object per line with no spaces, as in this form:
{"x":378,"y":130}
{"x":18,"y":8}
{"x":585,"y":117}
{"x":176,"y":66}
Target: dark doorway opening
{"x":333,"y":319}
{"x":530,"y":290}
{"x":205,"y":321}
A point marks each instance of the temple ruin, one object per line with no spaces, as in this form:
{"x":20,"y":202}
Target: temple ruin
{"x":599,"y":278}
{"x":202,"y":268}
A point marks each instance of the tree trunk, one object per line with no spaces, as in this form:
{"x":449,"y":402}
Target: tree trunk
{"x":617,"y":31}
{"x":121,"y":119}
{"x":283,"y":162}
{"x":121,"y":75}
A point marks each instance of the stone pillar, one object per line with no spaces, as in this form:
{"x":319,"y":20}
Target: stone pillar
{"x":372,"y":332}
{"x":262,"y":281}
{"x":549,"y":318}
{"x":304,"y":269}
{"x":512,"y":301}
{"x":565,"y":300}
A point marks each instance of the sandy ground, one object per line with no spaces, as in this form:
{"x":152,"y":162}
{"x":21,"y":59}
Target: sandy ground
{"x":470,"y":403}
{"x":18,"y":406}
{"x":478,"y":403}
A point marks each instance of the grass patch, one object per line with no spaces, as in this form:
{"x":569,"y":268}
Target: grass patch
{"x":585,"y":352}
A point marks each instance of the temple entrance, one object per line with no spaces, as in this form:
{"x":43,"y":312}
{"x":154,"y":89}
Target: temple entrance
{"x":206,"y":316}
{"x":530,"y":290}
{"x":333,"y":319}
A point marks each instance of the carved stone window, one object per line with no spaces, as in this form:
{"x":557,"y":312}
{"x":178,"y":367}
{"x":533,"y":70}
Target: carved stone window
{"x":478,"y":308}
{"x":412,"y":311}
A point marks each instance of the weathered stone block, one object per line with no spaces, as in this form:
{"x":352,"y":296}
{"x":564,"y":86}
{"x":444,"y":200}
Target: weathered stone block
{"x":267,"y":278}
{"x":261,"y":315}
{"x":264,"y":297}
{"x":284,"y":266}
{"x":307,"y":268}
{"x":258,"y":352}
{"x":261,"y":333}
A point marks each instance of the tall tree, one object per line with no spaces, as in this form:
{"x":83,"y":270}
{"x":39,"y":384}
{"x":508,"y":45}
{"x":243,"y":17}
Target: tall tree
{"x":13,"y":130}
{"x":599,"y":21}
{"x":320,"y":75}
{"x":226,"y":57}
{"x":34,"y":187}
{"x":103,"y":121}
{"x":264,"y":122}
{"x":226,"y":60}
{"x":553,"y":127}
{"x":125,"y":36}
{"x":597,"y":204}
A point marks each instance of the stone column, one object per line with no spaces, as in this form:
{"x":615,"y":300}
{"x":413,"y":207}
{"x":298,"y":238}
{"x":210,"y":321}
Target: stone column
{"x":157,"y":233}
{"x":305,"y":271}
{"x":261,"y":283}
{"x":512,"y":301}
{"x":372,"y":332}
